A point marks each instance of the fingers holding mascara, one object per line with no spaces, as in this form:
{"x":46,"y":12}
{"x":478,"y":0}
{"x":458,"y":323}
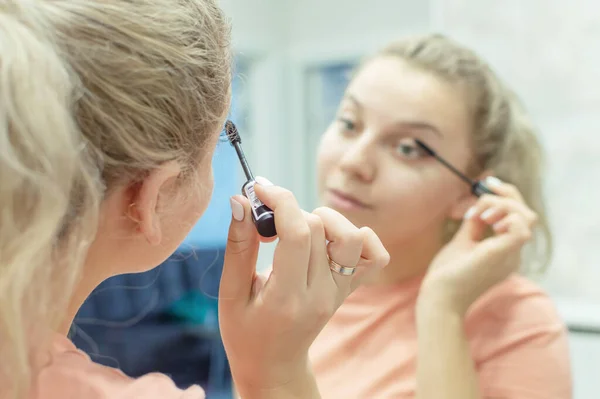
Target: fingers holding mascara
{"x":292,"y":254}
{"x":503,"y":189}
{"x":497,"y":210}
{"x":492,"y":209}
{"x":266,"y":183}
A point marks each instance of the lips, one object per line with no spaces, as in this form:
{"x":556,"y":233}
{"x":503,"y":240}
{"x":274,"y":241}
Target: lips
{"x":341,"y":200}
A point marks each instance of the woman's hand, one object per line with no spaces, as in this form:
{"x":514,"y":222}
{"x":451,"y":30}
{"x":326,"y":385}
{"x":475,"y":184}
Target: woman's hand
{"x":268,"y":325}
{"x":471,"y":263}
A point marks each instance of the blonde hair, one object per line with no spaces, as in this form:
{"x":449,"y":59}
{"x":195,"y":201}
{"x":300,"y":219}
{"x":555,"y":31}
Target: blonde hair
{"x":92,"y":94}
{"x":503,"y":136}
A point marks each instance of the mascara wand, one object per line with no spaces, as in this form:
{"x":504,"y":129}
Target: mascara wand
{"x":478,"y":187}
{"x":236,"y":141}
{"x":262,"y":216}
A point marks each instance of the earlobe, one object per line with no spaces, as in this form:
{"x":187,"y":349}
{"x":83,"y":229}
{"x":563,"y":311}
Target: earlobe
{"x":462,"y":206}
{"x":154,"y":236}
{"x":465,"y":202}
{"x":149,"y":225}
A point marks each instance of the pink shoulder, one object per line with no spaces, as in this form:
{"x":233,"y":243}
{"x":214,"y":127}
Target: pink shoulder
{"x":511,"y":314}
{"x":518,"y":299}
{"x":72,"y":374}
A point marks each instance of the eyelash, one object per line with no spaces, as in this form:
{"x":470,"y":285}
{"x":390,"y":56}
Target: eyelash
{"x":347,"y":124}
{"x":414,"y":149}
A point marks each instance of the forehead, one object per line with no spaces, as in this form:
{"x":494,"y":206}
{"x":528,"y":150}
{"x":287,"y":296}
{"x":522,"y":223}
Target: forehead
{"x":393,"y":90}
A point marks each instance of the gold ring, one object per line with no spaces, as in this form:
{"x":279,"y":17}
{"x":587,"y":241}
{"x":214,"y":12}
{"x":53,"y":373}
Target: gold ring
{"x":339,"y":269}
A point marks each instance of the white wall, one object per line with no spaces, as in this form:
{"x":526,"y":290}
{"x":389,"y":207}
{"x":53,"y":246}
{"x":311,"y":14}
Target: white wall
{"x":335,"y":26}
{"x":257,"y":37}
{"x":257,"y":24}
{"x":585,"y":359}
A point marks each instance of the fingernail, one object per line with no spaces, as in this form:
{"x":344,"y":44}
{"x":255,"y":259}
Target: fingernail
{"x":487,"y":213}
{"x":263,"y":181}
{"x":493,"y":181}
{"x":384,"y":264}
{"x":237,"y":209}
{"x":470,"y":212}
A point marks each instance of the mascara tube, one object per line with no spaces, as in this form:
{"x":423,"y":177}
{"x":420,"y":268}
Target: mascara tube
{"x":262,"y":216}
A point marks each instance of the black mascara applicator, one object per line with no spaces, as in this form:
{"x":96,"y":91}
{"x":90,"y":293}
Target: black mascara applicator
{"x":478,"y":187}
{"x":262,"y":216}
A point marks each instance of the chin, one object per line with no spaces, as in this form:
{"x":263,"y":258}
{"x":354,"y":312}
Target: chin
{"x":352,"y":216}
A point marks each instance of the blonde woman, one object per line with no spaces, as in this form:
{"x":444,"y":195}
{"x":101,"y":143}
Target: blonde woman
{"x":109,"y":115}
{"x":449,"y":317}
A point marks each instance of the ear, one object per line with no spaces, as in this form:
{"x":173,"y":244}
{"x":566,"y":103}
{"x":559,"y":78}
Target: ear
{"x":467,"y":200}
{"x":147,"y":197}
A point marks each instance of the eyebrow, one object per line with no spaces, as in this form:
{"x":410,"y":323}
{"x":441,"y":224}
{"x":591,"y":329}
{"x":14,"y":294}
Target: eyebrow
{"x":401,"y":124}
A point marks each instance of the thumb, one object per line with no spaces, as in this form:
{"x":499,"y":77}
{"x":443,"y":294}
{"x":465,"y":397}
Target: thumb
{"x":241,"y":253}
{"x":472,"y":228}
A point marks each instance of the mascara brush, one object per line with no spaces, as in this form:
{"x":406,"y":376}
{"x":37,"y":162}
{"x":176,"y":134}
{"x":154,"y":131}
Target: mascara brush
{"x":478,"y":187}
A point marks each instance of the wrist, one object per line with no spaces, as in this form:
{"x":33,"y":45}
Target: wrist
{"x":437,"y":301}
{"x":293,"y":383}
{"x":435,"y":324}
{"x":430,"y":312}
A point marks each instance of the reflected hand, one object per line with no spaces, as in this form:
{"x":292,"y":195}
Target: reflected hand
{"x":471,"y":264}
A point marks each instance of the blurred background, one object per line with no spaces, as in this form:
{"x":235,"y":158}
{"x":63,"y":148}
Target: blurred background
{"x":293,"y":60}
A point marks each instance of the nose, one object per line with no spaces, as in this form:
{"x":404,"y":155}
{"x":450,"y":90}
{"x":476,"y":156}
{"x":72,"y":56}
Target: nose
{"x":358,"y":160}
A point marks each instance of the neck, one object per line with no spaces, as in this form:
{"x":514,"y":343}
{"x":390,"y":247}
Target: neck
{"x":409,"y":258}
{"x":82,"y":291}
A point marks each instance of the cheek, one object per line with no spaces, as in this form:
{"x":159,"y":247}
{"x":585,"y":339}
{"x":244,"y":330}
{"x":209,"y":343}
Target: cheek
{"x":203,"y":192}
{"x":329,"y":153}
{"x":417,"y":199}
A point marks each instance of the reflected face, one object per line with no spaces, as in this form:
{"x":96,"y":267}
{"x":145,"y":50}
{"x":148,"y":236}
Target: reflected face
{"x":369,"y":167}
